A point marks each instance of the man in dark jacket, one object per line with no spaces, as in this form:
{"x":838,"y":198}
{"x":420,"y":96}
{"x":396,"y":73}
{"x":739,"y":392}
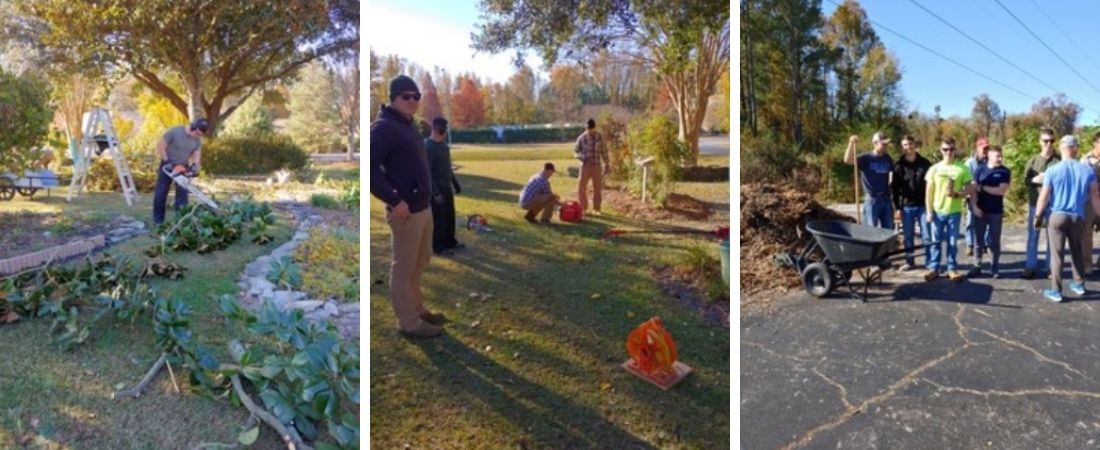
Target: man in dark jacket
{"x":908,"y":192}
{"x":400,"y":178}
{"x":443,"y":198}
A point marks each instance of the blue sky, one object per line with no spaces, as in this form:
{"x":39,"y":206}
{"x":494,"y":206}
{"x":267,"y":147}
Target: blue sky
{"x":928,"y":80}
{"x":434,"y":33}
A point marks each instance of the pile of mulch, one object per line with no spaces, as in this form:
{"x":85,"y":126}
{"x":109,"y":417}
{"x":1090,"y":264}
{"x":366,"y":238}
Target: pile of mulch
{"x":773,"y":221}
{"x":678,"y":206}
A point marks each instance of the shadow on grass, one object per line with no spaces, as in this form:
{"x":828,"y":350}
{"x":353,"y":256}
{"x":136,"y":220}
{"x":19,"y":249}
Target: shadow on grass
{"x":558,"y":421}
{"x":489,"y":189}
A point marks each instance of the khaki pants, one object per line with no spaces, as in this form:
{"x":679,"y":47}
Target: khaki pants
{"x":590,"y":172}
{"x":543,"y":203}
{"x":412,"y":249}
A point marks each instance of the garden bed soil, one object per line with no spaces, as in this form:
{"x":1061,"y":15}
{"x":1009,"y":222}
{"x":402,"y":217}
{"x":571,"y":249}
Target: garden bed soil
{"x":678,"y":207}
{"x":686,"y":287}
{"x":773,"y":221}
{"x":26,"y":232}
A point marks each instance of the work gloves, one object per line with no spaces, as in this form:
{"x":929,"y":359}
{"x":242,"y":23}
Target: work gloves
{"x":1040,"y":221}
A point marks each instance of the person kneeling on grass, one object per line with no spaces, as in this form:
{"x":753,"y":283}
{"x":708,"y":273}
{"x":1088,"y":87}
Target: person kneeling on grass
{"x":991,"y":181}
{"x":537,"y":197}
{"x":1067,"y":186}
{"x":943,"y":202}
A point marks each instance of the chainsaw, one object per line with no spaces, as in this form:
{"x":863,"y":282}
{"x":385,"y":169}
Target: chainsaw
{"x":182,"y":176}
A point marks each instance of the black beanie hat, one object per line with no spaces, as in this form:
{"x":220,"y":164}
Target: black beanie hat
{"x":401,"y":84}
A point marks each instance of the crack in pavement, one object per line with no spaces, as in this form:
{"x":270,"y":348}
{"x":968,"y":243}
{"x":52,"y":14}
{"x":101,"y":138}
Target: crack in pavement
{"x":840,"y":387}
{"x":912,"y":377}
{"x":891,"y":391}
{"x":1049,"y":390}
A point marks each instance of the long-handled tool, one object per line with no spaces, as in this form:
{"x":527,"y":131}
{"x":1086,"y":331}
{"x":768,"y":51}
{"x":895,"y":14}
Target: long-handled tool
{"x":719,"y":232}
{"x":181,"y":178}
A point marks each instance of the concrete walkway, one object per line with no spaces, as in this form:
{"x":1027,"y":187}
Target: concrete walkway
{"x":979,"y":364}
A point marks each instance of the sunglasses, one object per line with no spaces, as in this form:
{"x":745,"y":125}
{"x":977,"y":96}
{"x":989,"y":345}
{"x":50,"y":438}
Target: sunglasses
{"x":406,"y":97}
{"x":1047,"y":141}
{"x":947,"y":149}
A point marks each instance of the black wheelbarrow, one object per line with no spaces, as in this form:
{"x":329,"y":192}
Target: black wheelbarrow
{"x":840,"y":248}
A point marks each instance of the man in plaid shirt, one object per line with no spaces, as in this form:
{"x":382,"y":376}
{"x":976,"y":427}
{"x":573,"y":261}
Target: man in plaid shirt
{"x":591,"y":151}
{"x":537,"y":197}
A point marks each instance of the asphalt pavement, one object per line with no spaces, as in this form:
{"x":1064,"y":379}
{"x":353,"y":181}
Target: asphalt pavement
{"x":983,"y":363}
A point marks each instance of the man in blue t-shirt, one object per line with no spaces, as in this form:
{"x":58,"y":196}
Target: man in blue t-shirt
{"x":991,"y":181}
{"x":875,"y":169}
{"x":1067,"y":186}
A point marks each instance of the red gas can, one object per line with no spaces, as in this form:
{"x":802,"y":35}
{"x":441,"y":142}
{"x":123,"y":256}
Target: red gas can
{"x":571,"y":211}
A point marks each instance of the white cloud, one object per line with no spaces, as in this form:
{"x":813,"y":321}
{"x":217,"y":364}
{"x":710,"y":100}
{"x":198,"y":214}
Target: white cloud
{"x":431,"y":42}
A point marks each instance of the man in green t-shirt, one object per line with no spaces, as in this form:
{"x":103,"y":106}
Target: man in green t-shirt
{"x":947,"y":186}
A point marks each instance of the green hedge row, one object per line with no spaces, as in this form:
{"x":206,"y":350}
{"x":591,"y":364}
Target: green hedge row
{"x":519,"y":135}
{"x":252,"y":155}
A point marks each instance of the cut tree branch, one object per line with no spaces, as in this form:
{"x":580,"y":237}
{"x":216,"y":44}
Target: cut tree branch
{"x":136,"y":391}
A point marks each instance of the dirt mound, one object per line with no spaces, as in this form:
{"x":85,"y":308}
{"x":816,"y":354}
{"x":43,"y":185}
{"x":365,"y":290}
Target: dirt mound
{"x":678,"y":207}
{"x":773,"y":220}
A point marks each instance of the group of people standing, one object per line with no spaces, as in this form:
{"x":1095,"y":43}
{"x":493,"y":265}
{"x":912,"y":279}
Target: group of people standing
{"x":416,"y":181}
{"x":943,"y":197}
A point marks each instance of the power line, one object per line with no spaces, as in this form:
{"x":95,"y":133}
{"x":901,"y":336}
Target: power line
{"x":1063,"y":33}
{"x":972,"y":39}
{"x":945,"y":57}
{"x":1060,"y":58}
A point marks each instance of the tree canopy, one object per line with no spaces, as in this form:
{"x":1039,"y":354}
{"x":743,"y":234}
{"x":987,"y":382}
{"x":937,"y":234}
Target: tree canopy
{"x":685,"y":43}
{"x":217,"y":50}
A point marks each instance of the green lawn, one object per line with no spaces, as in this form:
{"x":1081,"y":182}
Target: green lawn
{"x":66,"y":395}
{"x":541,"y":367}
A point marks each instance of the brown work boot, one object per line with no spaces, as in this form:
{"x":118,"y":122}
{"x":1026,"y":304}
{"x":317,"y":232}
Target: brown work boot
{"x":931,"y":275}
{"x":530,"y":218}
{"x":433,"y":318}
{"x":955,"y":276}
{"x":425,"y":330}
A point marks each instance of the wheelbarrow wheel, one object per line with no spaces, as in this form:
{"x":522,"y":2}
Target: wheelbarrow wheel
{"x":26,"y":192}
{"x":7,"y":190}
{"x":817,"y":279}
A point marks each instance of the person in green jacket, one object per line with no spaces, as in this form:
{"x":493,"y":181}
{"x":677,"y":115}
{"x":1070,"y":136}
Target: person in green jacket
{"x":443,"y":197}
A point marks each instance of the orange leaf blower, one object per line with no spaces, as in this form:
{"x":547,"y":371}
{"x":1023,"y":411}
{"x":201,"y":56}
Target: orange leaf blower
{"x":652,"y":347}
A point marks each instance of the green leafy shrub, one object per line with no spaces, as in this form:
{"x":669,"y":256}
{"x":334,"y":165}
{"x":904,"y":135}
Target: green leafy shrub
{"x":285,"y":273}
{"x":656,"y":138}
{"x":349,"y":197}
{"x":25,"y":116}
{"x":326,"y":201}
{"x":103,"y":177}
{"x":616,"y":141}
{"x":330,"y":265}
{"x":196,"y":227}
{"x":252,"y":155}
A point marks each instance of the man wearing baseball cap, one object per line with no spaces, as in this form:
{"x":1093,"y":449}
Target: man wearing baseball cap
{"x":976,"y":161}
{"x":1067,"y":186}
{"x":400,"y":177}
{"x":180,"y":150}
{"x":875,"y":170}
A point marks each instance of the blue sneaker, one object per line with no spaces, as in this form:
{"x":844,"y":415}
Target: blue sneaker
{"x":1052,"y":295}
{"x":1077,"y":288}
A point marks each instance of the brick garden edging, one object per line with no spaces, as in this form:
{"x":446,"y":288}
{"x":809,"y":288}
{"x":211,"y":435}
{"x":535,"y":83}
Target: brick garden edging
{"x":55,"y":254}
{"x":257,"y":290}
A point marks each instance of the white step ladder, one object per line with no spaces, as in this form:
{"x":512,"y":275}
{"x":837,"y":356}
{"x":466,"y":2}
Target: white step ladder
{"x":97,"y":122}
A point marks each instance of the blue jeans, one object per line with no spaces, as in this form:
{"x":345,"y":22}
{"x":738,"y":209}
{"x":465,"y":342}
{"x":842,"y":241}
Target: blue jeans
{"x":1032,"y":258}
{"x":944,"y":227}
{"x":987,"y":234}
{"x":910,"y":216}
{"x":878,"y":212}
{"x":968,"y":222}
{"x":160,"y":196}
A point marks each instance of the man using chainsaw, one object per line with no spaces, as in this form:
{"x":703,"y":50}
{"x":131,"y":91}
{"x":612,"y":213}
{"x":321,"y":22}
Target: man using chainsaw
{"x":400,"y":177}
{"x":179,"y":150}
